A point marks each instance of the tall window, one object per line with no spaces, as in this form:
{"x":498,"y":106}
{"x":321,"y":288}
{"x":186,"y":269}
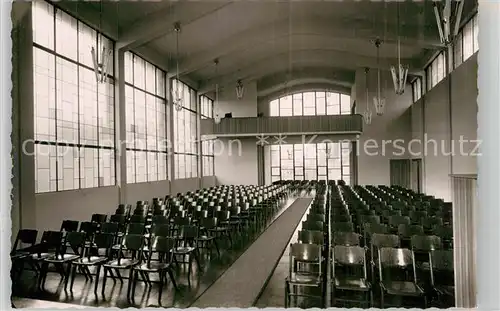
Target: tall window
{"x":436,"y":71}
{"x":311,"y":104}
{"x":146,"y":120}
{"x":185,"y":151}
{"x":466,"y":43}
{"x":417,"y":89}
{"x":311,"y":161}
{"x":74,"y":126}
{"x":207,"y":146}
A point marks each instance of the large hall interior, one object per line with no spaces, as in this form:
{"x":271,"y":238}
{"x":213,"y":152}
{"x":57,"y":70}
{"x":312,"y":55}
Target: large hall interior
{"x":244,"y":154}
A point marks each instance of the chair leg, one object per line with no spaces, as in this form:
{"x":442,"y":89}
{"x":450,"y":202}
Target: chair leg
{"x":171,"y":274}
{"x":382,"y":304}
{"x":286,"y":295}
{"x":216,"y":247}
{"x":162,"y":280}
{"x":96,"y":283}
{"x":73,"y":275}
{"x":104,"y":282}
{"x":67,"y":277}
{"x":130,"y":282}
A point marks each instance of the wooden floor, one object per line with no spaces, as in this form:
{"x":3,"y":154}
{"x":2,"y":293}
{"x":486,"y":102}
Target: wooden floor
{"x":201,"y":280}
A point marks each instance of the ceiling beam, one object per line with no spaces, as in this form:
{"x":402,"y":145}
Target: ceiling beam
{"x":319,"y":58}
{"x":161,"y":23}
{"x":269,"y":33}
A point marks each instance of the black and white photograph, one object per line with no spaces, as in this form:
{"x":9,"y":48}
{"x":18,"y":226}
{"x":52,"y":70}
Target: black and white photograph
{"x":238,"y":154}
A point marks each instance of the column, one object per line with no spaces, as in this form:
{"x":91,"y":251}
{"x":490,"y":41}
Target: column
{"x":120,"y":126}
{"x":170,"y":135}
{"x":24,"y":204}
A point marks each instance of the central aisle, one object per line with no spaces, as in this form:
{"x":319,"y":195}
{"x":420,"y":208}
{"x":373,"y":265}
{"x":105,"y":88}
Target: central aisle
{"x":241,"y":284}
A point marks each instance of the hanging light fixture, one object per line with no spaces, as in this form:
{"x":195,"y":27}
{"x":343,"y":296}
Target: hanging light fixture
{"x":446,"y":15}
{"x":378,"y":101}
{"x":177,"y":93}
{"x":400,"y":73}
{"x":367,"y":114}
{"x":240,"y":90}
{"x":217,"y":112}
{"x":101,"y":68}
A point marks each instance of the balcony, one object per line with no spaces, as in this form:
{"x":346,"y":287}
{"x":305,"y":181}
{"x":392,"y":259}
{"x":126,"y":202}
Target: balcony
{"x":239,"y":127}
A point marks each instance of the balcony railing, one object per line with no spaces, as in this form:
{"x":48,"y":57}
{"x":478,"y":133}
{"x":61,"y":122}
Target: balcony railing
{"x":338,"y":124}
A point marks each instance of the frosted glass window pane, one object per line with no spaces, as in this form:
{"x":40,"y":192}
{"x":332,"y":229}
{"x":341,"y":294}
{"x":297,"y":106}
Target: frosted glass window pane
{"x":87,"y":39}
{"x":106,"y":167}
{"x":139,"y":72}
{"x":150,"y":78}
{"x":345,"y":104}
{"x":274,"y":108}
{"x":43,"y":24}
{"x":106,"y":111}
{"x":297,"y":104}
{"x":89,"y":163}
{"x":88,"y":107}
{"x":44,"y":95}
{"x":129,"y":67}
{"x":66,"y":35}
{"x":67,"y":101}
{"x":468,"y":42}
{"x":320,"y":103}
{"x":160,"y":83}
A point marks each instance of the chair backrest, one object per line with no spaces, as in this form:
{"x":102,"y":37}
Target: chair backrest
{"x":209,"y":222}
{"x":442,"y":260}
{"x":343,"y":226}
{"x":407,"y":231}
{"x":370,"y":219}
{"x":316,"y":217}
{"x":385,"y":240}
{"x":349,"y":255}
{"x":89,"y":228}
{"x":346,"y":238}
{"x":445,"y":232}
{"x":159,"y":219}
{"x":311,"y":237}
{"x":189,"y":232}
{"x":110,"y":227}
{"x":134,"y":242}
{"x":161,"y":230}
{"x":118,"y":218}
{"x":103,"y":240}
{"x":163,"y":244}
{"x":25,"y":236}
{"x":51,"y":240}
{"x":312,"y":225}
{"x":430,"y":222}
{"x":99,"y":218}
{"x":395,"y":257}
{"x":396,"y":220}
{"x":305,"y":252}
{"x":69,"y":225}
{"x":76,"y":240}
{"x":135,"y":228}
{"x":425,"y":243}
{"x":137,"y":218}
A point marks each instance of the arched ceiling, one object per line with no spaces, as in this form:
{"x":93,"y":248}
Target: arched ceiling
{"x":273,"y":43}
